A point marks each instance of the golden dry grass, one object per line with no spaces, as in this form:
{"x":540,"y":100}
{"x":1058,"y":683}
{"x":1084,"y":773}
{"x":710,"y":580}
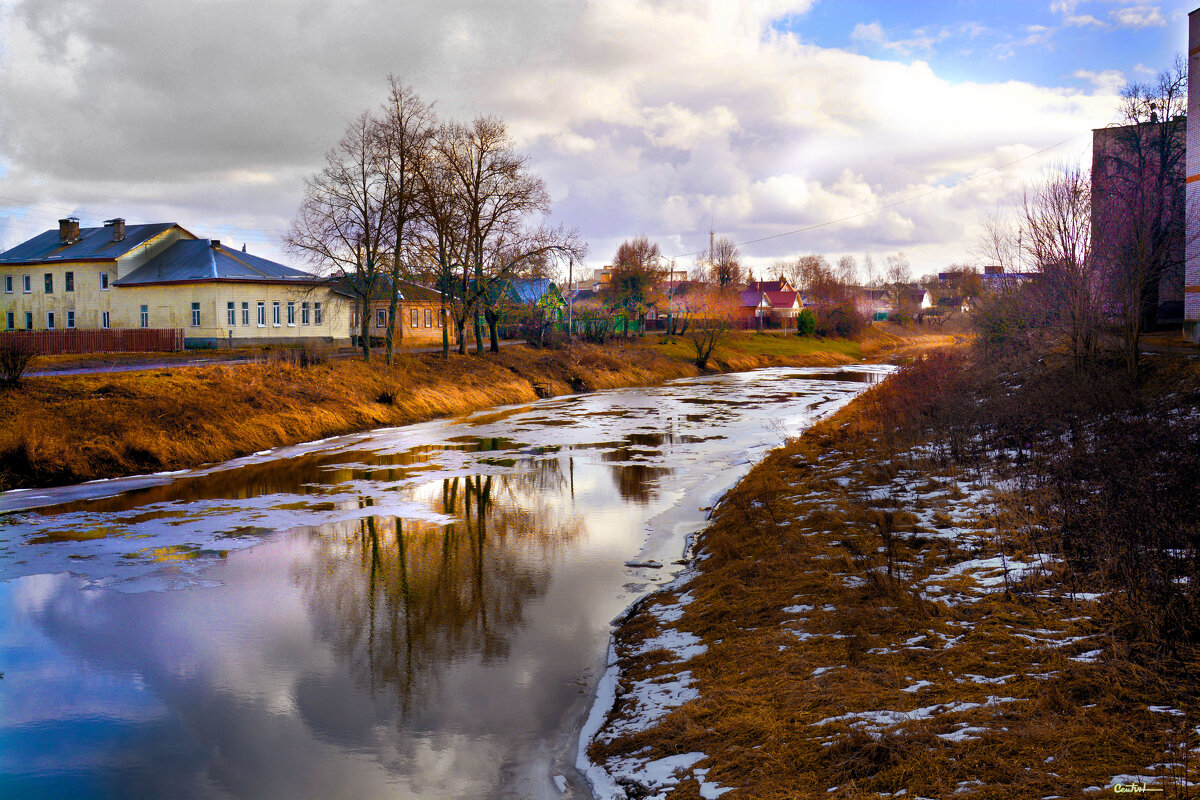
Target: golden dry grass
{"x":69,"y":429}
{"x":815,"y":525}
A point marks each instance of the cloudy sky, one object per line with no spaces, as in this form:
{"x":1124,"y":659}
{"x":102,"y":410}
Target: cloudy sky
{"x":912,"y":120}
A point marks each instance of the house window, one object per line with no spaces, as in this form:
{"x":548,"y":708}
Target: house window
{"x":316,"y":313}
{"x":291,"y":309}
{"x":195,"y":315}
{"x":50,"y":320}
{"x":429,"y":318}
{"x":381,"y":318}
{"x":231,"y":313}
{"x":70,"y":319}
{"x":104,"y":281}
{"x":104,"y":320}
{"x":245,"y":313}
{"x":304,"y":313}
{"x":275,"y":313}
{"x":144,"y":314}
{"x":69,"y":280}
{"x":28,"y":320}
{"x":8,"y":284}
{"x":26,"y":284}
{"x":12,"y":320}
{"x":413,"y":319}
{"x":49,"y":283}
{"x":262,"y":314}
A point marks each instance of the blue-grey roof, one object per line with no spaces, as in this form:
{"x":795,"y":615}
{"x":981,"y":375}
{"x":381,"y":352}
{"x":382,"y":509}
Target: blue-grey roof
{"x":530,"y":291}
{"x":92,"y":243}
{"x":198,"y":260}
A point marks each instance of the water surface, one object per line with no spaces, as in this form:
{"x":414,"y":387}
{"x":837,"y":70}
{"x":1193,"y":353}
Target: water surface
{"x":411,"y":612}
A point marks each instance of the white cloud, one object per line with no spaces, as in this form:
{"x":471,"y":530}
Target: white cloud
{"x":642,"y":115}
{"x":1082,"y":21}
{"x":1138,"y":17}
{"x":1109,"y":81}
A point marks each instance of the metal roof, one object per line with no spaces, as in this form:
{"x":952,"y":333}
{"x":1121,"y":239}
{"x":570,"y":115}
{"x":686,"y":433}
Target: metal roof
{"x":93,"y":243}
{"x":530,"y":291}
{"x":198,"y":260}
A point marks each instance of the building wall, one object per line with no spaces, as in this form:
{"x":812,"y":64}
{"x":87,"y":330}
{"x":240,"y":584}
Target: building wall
{"x":170,"y":306}
{"x":1191,"y":281}
{"x":427,"y":331}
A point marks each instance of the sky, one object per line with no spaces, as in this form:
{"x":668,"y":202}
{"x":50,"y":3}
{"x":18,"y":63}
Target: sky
{"x":790,"y":126}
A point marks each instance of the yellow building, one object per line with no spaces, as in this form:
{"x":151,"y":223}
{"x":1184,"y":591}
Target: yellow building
{"x":162,"y":276}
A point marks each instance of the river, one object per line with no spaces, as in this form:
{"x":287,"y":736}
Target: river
{"x":409,"y":612}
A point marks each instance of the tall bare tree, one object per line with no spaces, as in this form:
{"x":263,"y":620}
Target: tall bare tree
{"x":1139,"y":169}
{"x":1057,"y":224}
{"x":344,"y":218}
{"x":495,"y":189}
{"x":638,"y":271}
{"x":406,"y":126}
{"x":722,"y":263}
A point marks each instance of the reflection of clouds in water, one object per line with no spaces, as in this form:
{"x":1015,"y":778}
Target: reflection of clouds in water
{"x":360,"y":655}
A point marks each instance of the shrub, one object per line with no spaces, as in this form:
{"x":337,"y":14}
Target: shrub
{"x":806,"y":323}
{"x":15,"y":358}
{"x":842,"y":320}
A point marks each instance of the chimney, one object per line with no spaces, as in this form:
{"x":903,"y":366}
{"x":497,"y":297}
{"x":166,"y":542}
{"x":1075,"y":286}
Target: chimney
{"x":216,"y":244}
{"x":118,"y":228}
{"x":68,"y":230}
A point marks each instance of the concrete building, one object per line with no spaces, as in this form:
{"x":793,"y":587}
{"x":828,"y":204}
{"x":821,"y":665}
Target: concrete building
{"x":1191,"y":278}
{"x":161,"y":275}
{"x":1129,"y":197}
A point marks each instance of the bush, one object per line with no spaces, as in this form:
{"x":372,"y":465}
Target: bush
{"x":15,"y":357}
{"x":806,"y":323}
{"x":843,"y":321}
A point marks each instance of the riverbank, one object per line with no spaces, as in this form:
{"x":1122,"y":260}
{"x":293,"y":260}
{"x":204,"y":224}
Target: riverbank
{"x":67,"y":429}
{"x":976,"y":580}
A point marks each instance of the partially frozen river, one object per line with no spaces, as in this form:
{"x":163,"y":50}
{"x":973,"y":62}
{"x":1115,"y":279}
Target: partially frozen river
{"x":410,"y":612}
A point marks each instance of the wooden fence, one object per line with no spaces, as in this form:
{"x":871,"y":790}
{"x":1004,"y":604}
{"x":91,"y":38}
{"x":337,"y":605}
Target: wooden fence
{"x":113,"y":340}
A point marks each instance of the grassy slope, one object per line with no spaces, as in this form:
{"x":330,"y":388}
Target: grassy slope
{"x":68,"y":429}
{"x":856,"y":528}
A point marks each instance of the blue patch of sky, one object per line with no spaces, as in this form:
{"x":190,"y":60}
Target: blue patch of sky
{"x":1046,"y":43}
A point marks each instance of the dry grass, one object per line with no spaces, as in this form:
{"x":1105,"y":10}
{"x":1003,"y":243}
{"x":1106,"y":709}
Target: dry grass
{"x":820,"y":524}
{"x":69,"y":429}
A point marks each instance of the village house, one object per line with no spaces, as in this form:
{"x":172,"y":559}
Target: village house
{"x":161,"y":276}
{"x":418,"y":314}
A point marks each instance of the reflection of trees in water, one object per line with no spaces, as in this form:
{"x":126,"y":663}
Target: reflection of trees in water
{"x":398,"y":599}
{"x":635,"y":480}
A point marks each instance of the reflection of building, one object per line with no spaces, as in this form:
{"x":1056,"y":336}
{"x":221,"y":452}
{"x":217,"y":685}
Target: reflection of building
{"x":158,"y":276}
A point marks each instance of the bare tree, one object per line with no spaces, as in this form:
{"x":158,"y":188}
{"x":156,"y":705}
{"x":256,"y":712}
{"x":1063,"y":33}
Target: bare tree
{"x":708,"y":314}
{"x":1139,"y":168}
{"x":1057,"y":221}
{"x":495,"y":189}
{"x":343,"y":220}
{"x":443,"y":238}
{"x":406,"y":126}
{"x":722,"y":263}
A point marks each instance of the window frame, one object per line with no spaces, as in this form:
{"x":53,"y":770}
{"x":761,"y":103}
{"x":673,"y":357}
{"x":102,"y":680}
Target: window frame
{"x":70,"y":319}
{"x":246,"y":313}
{"x":49,"y":320}
{"x":104,"y":320}
{"x":26,"y":284}
{"x":291,"y":313}
{"x":48,"y":282}
{"x":262,"y":314}
{"x":144,"y":316}
{"x":414,"y":318}
{"x":69,"y":281}
{"x":276,"y":314}
{"x":195,"y":315}
{"x":104,"y":281}
{"x":28,"y":320}
{"x":317,"y":313}
{"x":9,"y":284}
{"x":231,"y":313}
{"x":305,"y":315}
{"x":11,"y":320}
{"x":429,"y":318}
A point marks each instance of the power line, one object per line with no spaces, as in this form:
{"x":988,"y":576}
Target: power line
{"x":894,"y":203}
